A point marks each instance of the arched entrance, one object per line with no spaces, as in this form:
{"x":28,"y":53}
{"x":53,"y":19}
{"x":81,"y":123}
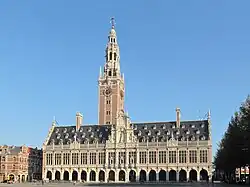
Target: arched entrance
{"x":101,"y":176}
{"x":92,"y":176}
{"x":132,"y":176}
{"x":162,"y":175}
{"x":182,"y":175}
{"x":84,"y":175}
{"x":172,"y":175}
{"x":143,"y":175}
{"x":66,"y":175}
{"x":152,"y":175}
{"x":11,"y":177}
{"x":57,"y":175}
{"x":122,"y":175}
{"x":193,"y":175}
{"x":74,"y":176}
{"x":111,"y":175}
{"x":48,"y":176}
{"x":203,"y":174}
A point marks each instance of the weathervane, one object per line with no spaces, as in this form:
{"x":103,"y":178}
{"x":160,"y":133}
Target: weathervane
{"x":112,"y":21}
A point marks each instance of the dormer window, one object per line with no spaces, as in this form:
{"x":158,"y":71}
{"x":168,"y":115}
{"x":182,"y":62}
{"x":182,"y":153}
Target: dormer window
{"x":57,"y":130}
{"x":106,"y":129}
{"x":67,"y":135}
{"x":162,"y":139}
{"x":153,"y":139}
{"x":58,"y":136}
{"x":83,"y":135}
{"x":192,"y":138}
{"x":193,"y":126}
{"x":202,"y":125}
{"x":89,"y":130}
{"x":65,"y":130}
{"x":158,"y":133}
{"x":92,"y":135}
{"x":100,"y":135}
{"x":164,"y":127}
{"x":154,"y":127}
{"x":135,"y":127}
{"x":197,"y":132}
{"x":173,"y":126}
{"x":81,"y":129}
{"x":182,"y":138}
{"x":202,"y":138}
{"x":168,"y":132}
{"x":139,"y":133}
{"x":97,"y":130}
{"x":187,"y":132}
{"x":73,"y":130}
{"x":145,"y":127}
{"x":149,"y":133}
{"x":177,"y":132}
{"x":183,"y":126}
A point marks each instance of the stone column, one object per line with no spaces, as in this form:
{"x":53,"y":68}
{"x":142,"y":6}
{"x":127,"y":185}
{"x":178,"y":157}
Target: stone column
{"x":147,"y":175}
{"x":177,"y":176}
{"x":70,"y":173}
{"x":79,"y":174}
{"x":137,"y":174}
{"x":106,"y":175}
{"x":198,"y":175}
{"x":53,"y":174}
{"x":127,"y":175}
{"x":157,"y":175}
{"x":61,"y":173}
{"x":167,"y":175}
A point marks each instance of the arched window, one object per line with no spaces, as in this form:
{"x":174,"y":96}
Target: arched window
{"x":114,"y":56}
{"x":110,"y":56}
{"x":110,"y":74}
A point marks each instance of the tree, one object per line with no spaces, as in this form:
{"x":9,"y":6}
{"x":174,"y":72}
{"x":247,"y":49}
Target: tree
{"x":233,"y":149}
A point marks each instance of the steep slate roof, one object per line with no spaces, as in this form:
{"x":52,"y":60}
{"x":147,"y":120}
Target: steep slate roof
{"x":189,"y":130}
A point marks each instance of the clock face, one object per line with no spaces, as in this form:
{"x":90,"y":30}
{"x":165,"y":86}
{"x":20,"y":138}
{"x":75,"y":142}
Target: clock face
{"x":107,"y":91}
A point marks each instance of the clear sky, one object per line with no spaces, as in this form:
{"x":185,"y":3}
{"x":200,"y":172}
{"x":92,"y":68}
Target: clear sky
{"x":190,"y":54}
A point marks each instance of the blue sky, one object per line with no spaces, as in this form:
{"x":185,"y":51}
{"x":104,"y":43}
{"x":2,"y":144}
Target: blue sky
{"x":190,"y":54}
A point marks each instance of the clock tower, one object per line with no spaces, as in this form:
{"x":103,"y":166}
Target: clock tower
{"x":111,"y":83}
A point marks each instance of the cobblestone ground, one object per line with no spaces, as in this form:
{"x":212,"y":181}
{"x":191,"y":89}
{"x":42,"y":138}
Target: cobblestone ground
{"x":118,"y":185}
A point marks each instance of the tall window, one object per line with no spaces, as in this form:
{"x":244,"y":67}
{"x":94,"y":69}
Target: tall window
{"x":122,"y":157}
{"x":92,"y":158}
{"x":49,"y":158}
{"x":192,"y":156}
{"x":152,"y":157}
{"x":111,"y":157}
{"x":66,"y":158}
{"x":182,"y":156}
{"x":58,"y":159}
{"x":143,"y":157}
{"x":114,"y":56}
{"x":172,"y":157}
{"x":132,"y":157}
{"x":74,"y":158}
{"x":110,"y":56}
{"x":102,"y":158}
{"x":162,"y":157}
{"x":203,"y":156}
{"x":84,"y":158}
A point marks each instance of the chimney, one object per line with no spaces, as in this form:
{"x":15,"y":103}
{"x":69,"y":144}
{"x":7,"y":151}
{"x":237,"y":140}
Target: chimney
{"x":178,"y":117}
{"x":79,"y":119}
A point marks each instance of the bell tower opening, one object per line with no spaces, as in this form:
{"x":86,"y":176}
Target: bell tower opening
{"x":111,"y":82}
